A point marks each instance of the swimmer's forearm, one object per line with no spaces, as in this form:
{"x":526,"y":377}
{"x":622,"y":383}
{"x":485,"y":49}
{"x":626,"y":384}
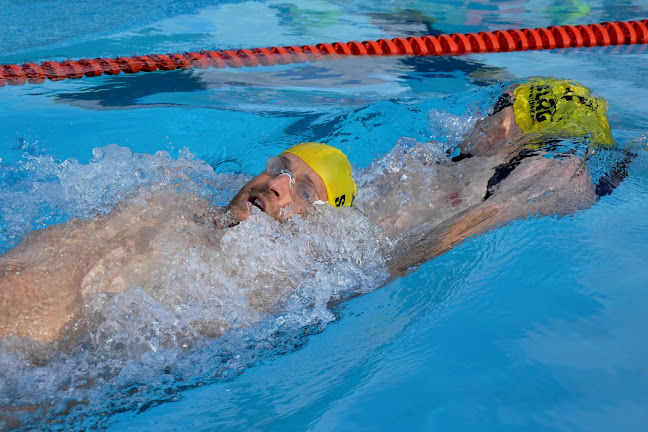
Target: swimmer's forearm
{"x":414,"y":250}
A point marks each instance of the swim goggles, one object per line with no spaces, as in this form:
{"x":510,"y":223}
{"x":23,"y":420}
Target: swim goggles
{"x":302,"y":191}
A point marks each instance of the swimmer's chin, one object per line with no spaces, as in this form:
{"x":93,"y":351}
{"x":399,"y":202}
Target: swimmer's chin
{"x":228,"y":217}
{"x":236,"y":213}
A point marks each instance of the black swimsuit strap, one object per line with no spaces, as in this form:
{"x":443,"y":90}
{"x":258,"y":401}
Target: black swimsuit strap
{"x":505,"y":100}
{"x":502,"y":171}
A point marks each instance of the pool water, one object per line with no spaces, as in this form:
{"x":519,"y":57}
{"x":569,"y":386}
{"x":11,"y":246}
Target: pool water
{"x":537,"y":325}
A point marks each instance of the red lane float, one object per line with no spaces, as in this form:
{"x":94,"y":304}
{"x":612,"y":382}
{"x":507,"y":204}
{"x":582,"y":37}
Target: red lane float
{"x":567,"y":36}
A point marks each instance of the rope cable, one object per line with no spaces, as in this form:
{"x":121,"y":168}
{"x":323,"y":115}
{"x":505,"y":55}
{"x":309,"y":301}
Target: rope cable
{"x":567,"y":36}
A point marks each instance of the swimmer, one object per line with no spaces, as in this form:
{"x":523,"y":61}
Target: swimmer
{"x":523,"y":145}
{"x":46,"y":279}
{"x":506,"y":169}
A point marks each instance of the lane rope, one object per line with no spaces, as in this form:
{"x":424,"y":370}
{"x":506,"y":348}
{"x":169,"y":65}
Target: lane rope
{"x":566,"y":36}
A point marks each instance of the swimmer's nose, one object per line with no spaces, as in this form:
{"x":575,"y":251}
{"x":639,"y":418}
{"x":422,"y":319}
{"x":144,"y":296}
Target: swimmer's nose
{"x":280,"y":186}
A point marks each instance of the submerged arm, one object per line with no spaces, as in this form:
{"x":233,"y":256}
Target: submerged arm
{"x":539,"y":185}
{"x":45,"y":280}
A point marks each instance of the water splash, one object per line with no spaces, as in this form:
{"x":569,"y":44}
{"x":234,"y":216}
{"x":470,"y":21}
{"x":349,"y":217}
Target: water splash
{"x":197,"y":304}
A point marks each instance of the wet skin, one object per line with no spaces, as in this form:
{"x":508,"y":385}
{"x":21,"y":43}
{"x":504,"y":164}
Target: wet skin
{"x":45,"y":280}
{"x":273,"y":194}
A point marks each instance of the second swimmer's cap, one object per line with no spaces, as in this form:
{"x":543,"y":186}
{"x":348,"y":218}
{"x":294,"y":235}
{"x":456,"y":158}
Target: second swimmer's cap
{"x":334,"y":169}
{"x":549,"y":106}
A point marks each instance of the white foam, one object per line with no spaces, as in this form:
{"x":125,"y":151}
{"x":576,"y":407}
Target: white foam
{"x":38,"y":190}
{"x":197,"y":304}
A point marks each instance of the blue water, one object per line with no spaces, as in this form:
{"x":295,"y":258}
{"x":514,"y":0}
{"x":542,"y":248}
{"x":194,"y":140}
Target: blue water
{"x":538,"y":325}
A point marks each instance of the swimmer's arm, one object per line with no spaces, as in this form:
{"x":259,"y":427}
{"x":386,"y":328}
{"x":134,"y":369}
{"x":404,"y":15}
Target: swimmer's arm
{"x":41,"y":279}
{"x":415,"y":250}
{"x":539,"y":186}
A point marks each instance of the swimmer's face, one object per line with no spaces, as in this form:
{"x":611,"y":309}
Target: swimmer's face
{"x":277,"y":195}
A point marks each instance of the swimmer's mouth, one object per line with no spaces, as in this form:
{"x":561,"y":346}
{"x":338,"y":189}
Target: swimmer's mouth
{"x":255,"y":201}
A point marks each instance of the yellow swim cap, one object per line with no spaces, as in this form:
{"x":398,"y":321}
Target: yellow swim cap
{"x":334,"y":169}
{"x":561,"y":108}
